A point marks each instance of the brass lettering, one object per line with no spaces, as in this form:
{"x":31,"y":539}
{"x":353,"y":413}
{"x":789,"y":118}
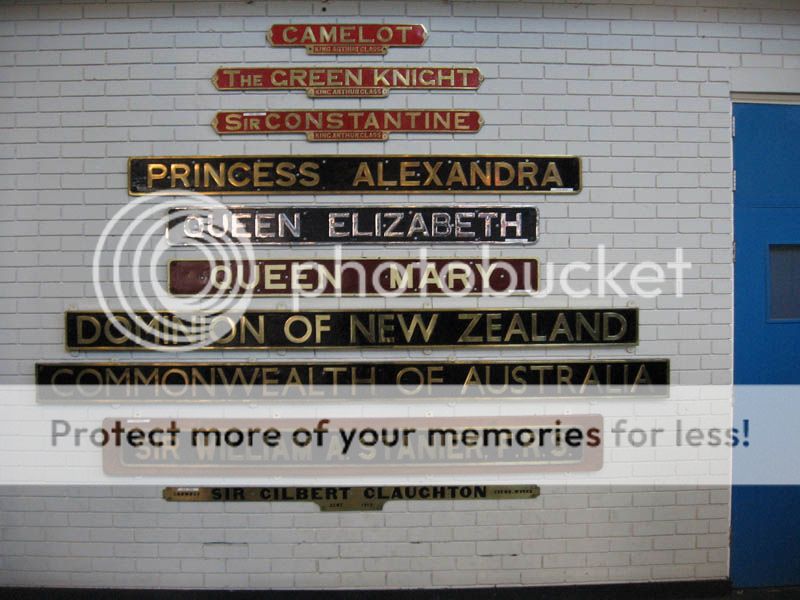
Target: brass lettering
{"x":456,"y":174}
{"x":642,"y":376}
{"x":385,"y":329}
{"x":493,"y":327}
{"x":381,"y":180}
{"x":582,"y":323}
{"x":551,"y":175}
{"x":179,"y":172}
{"x":433,"y":170}
{"x":503,"y":173}
{"x":608,"y":317}
{"x":561,"y":328}
{"x":155,"y":171}
{"x":257,"y":331}
{"x":309,"y":174}
{"x":465,"y":336}
{"x":356,"y":327}
{"x":527,"y":172}
{"x":363,"y":175}
{"x":589,"y":379}
{"x":417,"y":324}
{"x":516,"y":328}
{"x":307,"y":329}
{"x":87,"y":340}
{"x":407,"y":174}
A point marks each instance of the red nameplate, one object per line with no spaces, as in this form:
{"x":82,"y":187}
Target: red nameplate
{"x":353,"y":82}
{"x":348,"y":125}
{"x":338,"y":38}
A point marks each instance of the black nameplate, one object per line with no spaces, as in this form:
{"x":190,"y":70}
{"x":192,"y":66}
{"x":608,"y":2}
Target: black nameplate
{"x":254,"y":382}
{"x":93,"y":330}
{"x":354,"y":225}
{"x":355,"y":174}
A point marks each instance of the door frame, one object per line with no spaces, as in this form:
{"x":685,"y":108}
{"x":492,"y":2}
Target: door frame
{"x":745,"y":498}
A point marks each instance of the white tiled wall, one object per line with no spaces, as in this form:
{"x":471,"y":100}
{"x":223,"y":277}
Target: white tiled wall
{"x":639,"y":90}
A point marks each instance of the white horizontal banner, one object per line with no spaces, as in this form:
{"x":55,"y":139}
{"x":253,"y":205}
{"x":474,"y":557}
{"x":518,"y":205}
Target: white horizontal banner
{"x":688,"y":435}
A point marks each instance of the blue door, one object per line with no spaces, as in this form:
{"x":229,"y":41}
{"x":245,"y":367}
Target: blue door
{"x":765,"y":527}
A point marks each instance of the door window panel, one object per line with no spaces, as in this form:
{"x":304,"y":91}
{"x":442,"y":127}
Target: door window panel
{"x":784,"y":274}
